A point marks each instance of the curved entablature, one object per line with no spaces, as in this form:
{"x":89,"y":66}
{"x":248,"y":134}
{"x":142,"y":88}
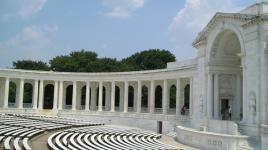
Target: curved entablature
{"x":132,"y":75}
{"x":164,"y":91}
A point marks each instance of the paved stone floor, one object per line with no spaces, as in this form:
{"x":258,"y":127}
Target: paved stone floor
{"x":40,"y":142}
{"x":171,"y":141}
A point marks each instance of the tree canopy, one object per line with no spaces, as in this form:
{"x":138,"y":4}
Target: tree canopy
{"x":88,"y":61}
{"x":30,"y":65}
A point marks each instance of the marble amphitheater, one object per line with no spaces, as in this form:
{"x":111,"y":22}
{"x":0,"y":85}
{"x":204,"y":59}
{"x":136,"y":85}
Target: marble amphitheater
{"x":222,"y":93}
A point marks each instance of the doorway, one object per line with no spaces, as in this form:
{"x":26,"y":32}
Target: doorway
{"x":159,"y":127}
{"x":225,"y":104}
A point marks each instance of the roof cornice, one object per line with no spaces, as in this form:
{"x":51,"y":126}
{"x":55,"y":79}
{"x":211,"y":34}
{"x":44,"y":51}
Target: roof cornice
{"x":247,"y":18}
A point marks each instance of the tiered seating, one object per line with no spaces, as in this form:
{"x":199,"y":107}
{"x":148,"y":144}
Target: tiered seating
{"x":17,"y":130}
{"x":105,"y":137}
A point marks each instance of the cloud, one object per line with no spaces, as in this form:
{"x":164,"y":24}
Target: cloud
{"x":32,"y":42}
{"x":22,"y":8}
{"x":121,"y":8}
{"x":190,"y":20}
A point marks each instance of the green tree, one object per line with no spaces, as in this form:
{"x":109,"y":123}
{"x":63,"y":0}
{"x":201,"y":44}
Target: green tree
{"x":30,"y":65}
{"x":148,"y":60}
{"x":106,"y":65}
{"x":77,"y":61}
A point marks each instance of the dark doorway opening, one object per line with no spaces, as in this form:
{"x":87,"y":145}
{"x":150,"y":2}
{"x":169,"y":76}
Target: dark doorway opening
{"x":159,"y":127}
{"x":224,"y":109}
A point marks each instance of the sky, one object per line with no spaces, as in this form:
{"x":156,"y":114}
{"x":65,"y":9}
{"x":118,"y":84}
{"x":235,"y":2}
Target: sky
{"x":43,"y":29}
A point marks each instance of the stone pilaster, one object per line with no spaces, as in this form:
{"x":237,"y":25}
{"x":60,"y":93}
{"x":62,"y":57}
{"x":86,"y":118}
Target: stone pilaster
{"x":139,"y":97}
{"x":112,"y":96}
{"x":41,"y":94}
{"x":60,"y":95}
{"x":100,"y":96}
{"x":178,"y":95}
{"x":126,"y":97}
{"x":74,"y":95}
{"x":6,"y":93}
{"x":165,"y":97}
{"x":35,"y":94}
{"x":87,"y":95}
{"x":55,"y":100}
{"x":152,"y":96}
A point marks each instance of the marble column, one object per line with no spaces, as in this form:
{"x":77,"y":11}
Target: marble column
{"x":93,"y":98}
{"x":87,"y":95}
{"x":209,"y":96}
{"x":60,"y":95}
{"x":100,"y":96}
{"x":35,"y":94}
{"x":113,"y":96}
{"x":126,"y":97}
{"x":21,"y":91}
{"x":121,"y":100}
{"x":178,"y":95}
{"x":139,"y":97}
{"x":74,"y":95}
{"x":55,"y":100}
{"x":135,"y":86}
{"x":165,"y":97}
{"x":6,"y":93}
{"x":216,"y":97}
{"x":238,"y":97}
{"x":108,"y":98}
{"x":41,"y":94}
{"x":152,"y":96}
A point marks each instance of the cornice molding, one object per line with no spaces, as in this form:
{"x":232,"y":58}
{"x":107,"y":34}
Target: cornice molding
{"x":245,"y":19}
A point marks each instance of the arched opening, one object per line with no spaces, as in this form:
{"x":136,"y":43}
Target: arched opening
{"x":144,"y":99}
{"x":227,"y":83}
{"x":69,"y":97}
{"x":12,"y":94}
{"x":83,"y":97}
{"x":130,"y":98}
{"x":117,"y":98}
{"x":48,"y":96}
{"x":158,"y":99}
{"x":172,"y":99}
{"x":187,"y":96}
{"x":27,"y":95}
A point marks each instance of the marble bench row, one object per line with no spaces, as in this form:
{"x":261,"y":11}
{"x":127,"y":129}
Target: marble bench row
{"x":17,"y":137}
{"x":59,"y":120}
{"x":105,"y":138}
{"x":17,"y":131}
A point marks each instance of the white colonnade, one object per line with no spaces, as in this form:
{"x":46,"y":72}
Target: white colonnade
{"x":94,"y":94}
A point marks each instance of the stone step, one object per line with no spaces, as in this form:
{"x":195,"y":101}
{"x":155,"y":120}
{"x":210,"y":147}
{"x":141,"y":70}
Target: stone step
{"x":172,"y":134}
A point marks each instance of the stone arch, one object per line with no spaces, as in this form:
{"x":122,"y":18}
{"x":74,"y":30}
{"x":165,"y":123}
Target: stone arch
{"x":226,"y":47}
{"x":28,"y":95}
{"x":172,"y":97}
{"x":158,"y":99}
{"x":83,"y":97}
{"x":219,"y":29}
{"x":187,"y":96}
{"x":145,"y":97}
{"x":12,"y":94}
{"x":48,"y":96}
{"x":69,"y":97}
{"x":131,"y":96}
{"x":117,"y":98}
